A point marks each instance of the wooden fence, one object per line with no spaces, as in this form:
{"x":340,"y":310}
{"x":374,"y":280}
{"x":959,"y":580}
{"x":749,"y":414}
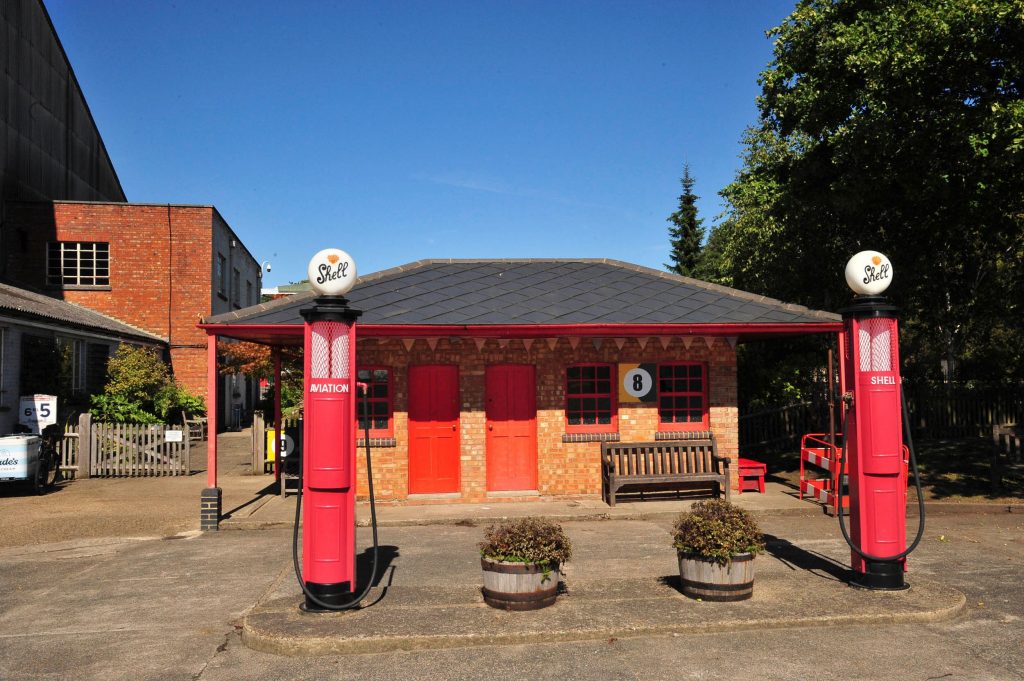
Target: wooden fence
{"x":124,"y":450}
{"x":933,"y":415}
{"x":780,"y":429}
{"x":936,"y":414}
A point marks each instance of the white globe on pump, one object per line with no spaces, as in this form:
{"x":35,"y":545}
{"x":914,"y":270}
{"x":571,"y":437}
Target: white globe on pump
{"x":332,"y":272}
{"x":869,"y":273}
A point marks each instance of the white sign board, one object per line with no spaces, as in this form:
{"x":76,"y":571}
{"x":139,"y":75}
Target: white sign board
{"x":173,"y":436}
{"x":37,"y":411}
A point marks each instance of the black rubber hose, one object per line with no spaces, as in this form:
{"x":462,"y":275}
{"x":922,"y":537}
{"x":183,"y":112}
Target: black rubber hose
{"x":917,"y":481}
{"x":373,"y":524}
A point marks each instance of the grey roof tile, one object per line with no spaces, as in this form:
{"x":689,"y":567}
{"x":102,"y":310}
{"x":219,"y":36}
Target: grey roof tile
{"x":542,"y":291}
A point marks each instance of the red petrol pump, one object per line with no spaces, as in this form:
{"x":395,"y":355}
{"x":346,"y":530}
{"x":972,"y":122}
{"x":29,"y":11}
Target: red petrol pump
{"x":328,"y":467}
{"x":873,"y":433}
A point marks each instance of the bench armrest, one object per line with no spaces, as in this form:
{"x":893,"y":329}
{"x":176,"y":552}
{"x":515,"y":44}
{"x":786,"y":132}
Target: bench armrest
{"x":724,"y":460}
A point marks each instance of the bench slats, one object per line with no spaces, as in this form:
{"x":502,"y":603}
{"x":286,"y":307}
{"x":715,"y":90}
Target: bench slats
{"x":664,"y":461}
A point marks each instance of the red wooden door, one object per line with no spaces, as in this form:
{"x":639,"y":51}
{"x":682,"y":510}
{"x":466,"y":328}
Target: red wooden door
{"x":433,"y":429}
{"x":511,"y":396}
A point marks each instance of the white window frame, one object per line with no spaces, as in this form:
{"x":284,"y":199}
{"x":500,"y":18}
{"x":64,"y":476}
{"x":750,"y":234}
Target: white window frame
{"x":64,"y":264}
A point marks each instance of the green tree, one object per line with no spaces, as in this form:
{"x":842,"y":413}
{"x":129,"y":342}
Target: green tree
{"x":896,"y":125}
{"x":686,"y":232}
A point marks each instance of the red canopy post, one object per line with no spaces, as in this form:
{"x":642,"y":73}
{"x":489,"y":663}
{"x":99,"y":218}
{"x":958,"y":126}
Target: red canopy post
{"x":210,"y":497}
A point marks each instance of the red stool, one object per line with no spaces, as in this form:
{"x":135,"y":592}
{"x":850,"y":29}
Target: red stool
{"x":751,"y":476}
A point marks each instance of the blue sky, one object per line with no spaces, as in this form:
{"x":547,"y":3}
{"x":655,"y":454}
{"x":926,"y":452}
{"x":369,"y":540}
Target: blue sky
{"x":407,"y":130}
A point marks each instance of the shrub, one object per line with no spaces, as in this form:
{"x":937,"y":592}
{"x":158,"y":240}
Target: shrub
{"x":527,"y":540}
{"x":717,"y":530}
{"x":140,"y":389}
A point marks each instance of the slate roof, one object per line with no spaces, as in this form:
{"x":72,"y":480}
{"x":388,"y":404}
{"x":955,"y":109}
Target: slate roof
{"x":537,"y":291}
{"x":17,"y":302}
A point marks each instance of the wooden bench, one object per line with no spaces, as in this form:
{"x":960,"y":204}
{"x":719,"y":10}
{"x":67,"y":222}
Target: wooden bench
{"x":195,"y":425}
{"x":660,"y":465}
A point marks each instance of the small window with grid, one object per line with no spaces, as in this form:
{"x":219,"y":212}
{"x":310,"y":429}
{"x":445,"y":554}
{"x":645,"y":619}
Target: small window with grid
{"x":589,"y":398}
{"x":378,"y":381}
{"x":71,"y":264}
{"x":682,"y":396}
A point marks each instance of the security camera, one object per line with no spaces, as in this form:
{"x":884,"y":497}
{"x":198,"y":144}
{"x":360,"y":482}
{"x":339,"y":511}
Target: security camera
{"x":268,"y":266}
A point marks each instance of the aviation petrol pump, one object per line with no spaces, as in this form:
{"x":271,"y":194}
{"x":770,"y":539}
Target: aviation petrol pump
{"x":873,"y":432}
{"x":328,"y":468}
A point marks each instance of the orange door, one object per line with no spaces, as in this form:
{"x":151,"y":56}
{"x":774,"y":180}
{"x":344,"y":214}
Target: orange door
{"x":433,"y":429}
{"x":510,"y":392}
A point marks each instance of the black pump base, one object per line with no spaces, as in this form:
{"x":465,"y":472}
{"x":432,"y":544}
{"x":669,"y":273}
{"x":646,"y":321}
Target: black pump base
{"x":336,"y":595}
{"x":880,"y":576}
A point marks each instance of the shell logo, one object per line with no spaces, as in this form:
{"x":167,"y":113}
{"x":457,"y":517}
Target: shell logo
{"x":869,"y":273}
{"x":332,"y":272}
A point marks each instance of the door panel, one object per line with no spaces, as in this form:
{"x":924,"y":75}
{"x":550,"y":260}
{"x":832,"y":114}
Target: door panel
{"x":511,"y":402}
{"x":433,"y":429}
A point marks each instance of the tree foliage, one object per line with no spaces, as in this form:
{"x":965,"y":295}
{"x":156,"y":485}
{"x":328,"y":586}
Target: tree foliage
{"x":256,"y":361}
{"x":896,"y":125}
{"x":686,"y":232}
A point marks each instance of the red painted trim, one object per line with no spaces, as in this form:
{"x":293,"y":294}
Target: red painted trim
{"x":277,"y":415}
{"x":705,"y":417}
{"x":378,"y":432}
{"x":211,"y":410}
{"x":294,"y":331}
{"x":612,"y":427}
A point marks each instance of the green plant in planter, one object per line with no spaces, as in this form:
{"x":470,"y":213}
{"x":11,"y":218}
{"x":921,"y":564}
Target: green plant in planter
{"x":527,"y":540}
{"x":716,"y":530}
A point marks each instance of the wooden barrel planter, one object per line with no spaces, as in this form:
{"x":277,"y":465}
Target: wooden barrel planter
{"x":709,"y":581}
{"x":518,"y":586}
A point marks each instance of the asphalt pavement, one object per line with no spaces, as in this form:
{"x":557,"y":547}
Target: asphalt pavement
{"x":149,"y":597}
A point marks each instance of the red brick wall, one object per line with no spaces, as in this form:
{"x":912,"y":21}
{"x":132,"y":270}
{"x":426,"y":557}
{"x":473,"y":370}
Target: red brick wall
{"x":563,"y":468}
{"x":160,"y":268}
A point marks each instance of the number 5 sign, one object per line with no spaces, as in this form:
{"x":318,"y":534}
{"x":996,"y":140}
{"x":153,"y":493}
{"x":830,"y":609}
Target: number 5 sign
{"x":636,"y":383}
{"x":37,"y":411}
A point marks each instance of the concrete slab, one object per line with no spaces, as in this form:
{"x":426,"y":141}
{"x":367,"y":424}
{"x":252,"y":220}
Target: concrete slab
{"x":622,"y":582}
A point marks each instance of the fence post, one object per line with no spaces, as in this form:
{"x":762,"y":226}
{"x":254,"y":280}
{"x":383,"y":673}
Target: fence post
{"x":259,"y":442}
{"x":84,"y":445}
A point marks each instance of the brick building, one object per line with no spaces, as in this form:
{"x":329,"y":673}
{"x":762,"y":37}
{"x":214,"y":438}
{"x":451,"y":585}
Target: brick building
{"x":498,"y":379}
{"x":158,"y":267}
{"x":67,"y":232}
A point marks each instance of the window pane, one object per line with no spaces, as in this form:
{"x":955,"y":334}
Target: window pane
{"x":380,"y":375}
{"x":363,"y":375}
{"x":573,"y":373}
{"x":574,"y":388}
{"x":604,"y":372}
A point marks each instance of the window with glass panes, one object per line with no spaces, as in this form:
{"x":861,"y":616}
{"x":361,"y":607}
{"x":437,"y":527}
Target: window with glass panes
{"x":378,"y":381}
{"x":682,"y":396}
{"x":72,"y":264}
{"x":589,"y":398}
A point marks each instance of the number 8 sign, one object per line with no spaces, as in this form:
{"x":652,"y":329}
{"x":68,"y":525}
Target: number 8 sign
{"x":636,"y":383}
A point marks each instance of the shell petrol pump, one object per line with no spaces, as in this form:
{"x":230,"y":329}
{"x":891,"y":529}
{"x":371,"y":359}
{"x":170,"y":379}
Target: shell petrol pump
{"x":328,"y":468}
{"x":874,"y":429}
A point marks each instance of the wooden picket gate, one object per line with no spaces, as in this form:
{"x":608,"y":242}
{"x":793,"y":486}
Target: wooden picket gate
{"x":124,"y":450}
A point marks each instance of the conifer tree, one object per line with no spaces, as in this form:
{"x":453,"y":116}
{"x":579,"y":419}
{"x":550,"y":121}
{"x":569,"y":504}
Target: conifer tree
{"x":686,"y":231}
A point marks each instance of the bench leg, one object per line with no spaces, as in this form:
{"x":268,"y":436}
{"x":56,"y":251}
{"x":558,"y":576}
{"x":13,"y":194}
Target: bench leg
{"x":760,"y":483}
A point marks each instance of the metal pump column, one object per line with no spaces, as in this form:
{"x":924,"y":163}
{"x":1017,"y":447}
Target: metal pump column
{"x":329,"y":449}
{"x":874,"y":435}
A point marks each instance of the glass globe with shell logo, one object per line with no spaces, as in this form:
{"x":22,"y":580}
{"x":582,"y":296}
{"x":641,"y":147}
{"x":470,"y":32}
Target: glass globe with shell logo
{"x":332,"y":272}
{"x":869,"y":273}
